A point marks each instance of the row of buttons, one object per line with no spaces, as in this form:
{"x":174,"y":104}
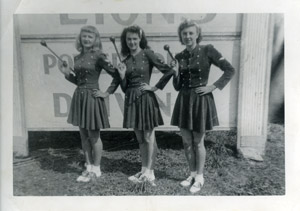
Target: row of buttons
{"x":82,"y":72}
{"x":81,"y":80}
{"x":182,"y":65}
{"x":189,"y":75}
{"x":135,"y":62}
{"x":82,"y":59}
{"x":134,"y":68}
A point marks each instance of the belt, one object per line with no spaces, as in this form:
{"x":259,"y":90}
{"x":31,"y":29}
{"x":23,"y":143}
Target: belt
{"x":88,"y":86}
{"x":191,"y":87}
{"x":134,"y":85}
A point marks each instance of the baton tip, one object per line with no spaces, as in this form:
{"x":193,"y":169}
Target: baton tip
{"x":166,"y":47}
{"x":112,"y":39}
{"x":43,"y":43}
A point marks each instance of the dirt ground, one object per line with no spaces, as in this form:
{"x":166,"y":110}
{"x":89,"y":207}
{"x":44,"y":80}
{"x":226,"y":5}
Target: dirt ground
{"x":56,"y":160}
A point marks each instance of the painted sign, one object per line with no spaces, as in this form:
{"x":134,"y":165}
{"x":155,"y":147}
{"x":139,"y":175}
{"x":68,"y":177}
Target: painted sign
{"x":66,"y":24}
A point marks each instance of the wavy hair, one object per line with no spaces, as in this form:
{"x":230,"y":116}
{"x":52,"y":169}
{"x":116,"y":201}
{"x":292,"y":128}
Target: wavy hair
{"x":136,"y":30}
{"x":188,"y":23}
{"x":91,"y":29}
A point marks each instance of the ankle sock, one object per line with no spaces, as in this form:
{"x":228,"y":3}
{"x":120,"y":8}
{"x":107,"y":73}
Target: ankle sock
{"x":199,"y":178}
{"x":96,"y":170}
{"x":143,"y":169}
{"x":149,"y":173}
{"x":89,"y":167}
{"x":193,"y":174}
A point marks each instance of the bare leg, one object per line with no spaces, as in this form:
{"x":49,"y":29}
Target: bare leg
{"x":96,"y":143}
{"x":187,"y":137}
{"x":200,"y":151}
{"x":198,"y":142}
{"x":151,"y":146}
{"x":86,"y":146}
{"x":142,"y":145}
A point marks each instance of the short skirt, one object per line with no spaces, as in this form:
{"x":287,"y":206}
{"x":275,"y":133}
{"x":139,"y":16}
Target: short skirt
{"x":141,"y":110}
{"x":194,"y":112}
{"x":87,"y":111}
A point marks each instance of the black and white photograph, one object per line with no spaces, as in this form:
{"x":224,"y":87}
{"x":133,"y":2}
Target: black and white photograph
{"x":149,"y":104}
{"x":142,"y":106}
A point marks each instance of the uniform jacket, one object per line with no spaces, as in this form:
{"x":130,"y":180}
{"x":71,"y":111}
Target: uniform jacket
{"x":88,"y":67}
{"x":139,"y":69}
{"x":194,"y":67}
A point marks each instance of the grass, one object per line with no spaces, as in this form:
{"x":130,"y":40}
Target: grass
{"x":56,"y":160}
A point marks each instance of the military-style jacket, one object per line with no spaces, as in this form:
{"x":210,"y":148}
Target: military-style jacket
{"x":88,"y":67}
{"x":194,"y":67}
{"x":139,"y":69}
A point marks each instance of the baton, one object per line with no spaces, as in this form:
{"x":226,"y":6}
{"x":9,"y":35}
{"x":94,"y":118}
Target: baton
{"x":43,"y":43}
{"x":167,"y":48}
{"x":112,"y":39}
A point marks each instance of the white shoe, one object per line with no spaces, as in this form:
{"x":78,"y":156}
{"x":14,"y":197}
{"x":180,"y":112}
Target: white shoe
{"x":83,"y":179}
{"x":86,"y":176}
{"x":97,"y":173}
{"x":187,"y":182}
{"x":96,"y":170}
{"x":135,"y":178}
{"x":196,"y":187}
{"x":83,"y":176}
{"x":147,"y":178}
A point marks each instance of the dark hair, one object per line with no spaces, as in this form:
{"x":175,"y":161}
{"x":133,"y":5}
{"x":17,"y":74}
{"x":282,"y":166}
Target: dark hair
{"x":133,"y":29}
{"x":91,"y":29}
{"x":188,"y":23}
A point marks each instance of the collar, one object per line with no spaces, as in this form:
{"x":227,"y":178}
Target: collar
{"x":131,"y":56}
{"x":92,"y":50}
{"x":192,"y":52}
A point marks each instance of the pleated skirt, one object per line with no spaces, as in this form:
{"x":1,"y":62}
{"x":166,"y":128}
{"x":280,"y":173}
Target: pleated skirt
{"x":87,"y":111}
{"x":141,"y":110}
{"x":194,"y":112}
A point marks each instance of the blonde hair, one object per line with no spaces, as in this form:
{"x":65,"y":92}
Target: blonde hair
{"x":188,"y":23}
{"x":91,"y":29}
